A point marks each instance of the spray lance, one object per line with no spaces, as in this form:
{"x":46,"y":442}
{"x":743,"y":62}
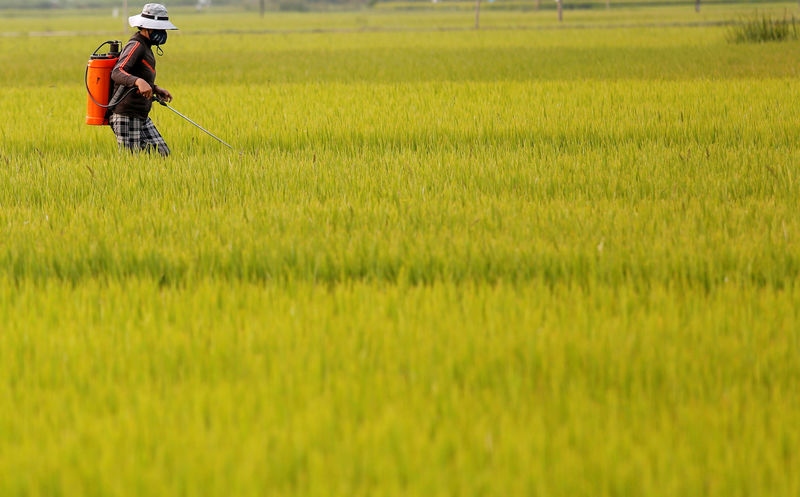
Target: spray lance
{"x":162,"y":102}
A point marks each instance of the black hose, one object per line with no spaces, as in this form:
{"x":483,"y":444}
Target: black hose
{"x":110,"y":104}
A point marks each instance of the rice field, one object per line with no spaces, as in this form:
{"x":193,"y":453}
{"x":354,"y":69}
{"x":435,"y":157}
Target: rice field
{"x":515,"y":261}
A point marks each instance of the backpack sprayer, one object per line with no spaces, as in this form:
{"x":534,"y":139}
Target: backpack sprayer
{"x":99,"y":88}
{"x":98,"y":83}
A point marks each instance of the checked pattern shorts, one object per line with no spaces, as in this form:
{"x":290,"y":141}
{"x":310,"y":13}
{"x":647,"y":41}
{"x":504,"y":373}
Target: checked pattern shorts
{"x":137,"y":134}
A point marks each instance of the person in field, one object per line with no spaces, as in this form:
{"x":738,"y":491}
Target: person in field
{"x":134,"y":76}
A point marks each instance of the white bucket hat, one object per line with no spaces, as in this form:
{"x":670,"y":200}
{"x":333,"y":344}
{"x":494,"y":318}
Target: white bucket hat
{"x":153,"y":16}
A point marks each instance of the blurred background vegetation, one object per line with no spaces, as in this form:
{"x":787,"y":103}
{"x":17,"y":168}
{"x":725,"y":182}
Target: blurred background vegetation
{"x":301,"y":5}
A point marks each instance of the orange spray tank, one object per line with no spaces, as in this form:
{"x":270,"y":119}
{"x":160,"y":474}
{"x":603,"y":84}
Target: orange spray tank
{"x":98,"y":83}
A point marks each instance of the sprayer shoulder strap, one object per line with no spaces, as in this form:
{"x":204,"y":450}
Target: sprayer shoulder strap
{"x":120,"y":92}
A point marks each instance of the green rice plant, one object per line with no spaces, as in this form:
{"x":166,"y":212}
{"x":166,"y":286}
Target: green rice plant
{"x":764,"y":28}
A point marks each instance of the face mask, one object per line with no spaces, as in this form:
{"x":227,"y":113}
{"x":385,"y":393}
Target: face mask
{"x":158,"y":37}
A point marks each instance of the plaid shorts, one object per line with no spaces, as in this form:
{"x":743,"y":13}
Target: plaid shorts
{"x":137,"y":134}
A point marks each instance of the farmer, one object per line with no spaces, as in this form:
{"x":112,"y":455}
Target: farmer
{"x":136,"y":69}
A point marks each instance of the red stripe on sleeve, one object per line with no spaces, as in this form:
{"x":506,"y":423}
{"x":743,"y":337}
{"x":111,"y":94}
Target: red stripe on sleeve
{"x":127,"y":59}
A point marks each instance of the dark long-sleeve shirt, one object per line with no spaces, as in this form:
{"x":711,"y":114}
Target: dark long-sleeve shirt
{"x":136,"y":61}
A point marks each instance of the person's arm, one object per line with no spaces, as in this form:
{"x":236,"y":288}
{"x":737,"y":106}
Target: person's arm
{"x":121,"y":74}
